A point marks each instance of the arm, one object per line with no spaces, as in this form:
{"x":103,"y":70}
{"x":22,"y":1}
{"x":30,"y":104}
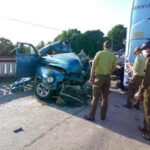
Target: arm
{"x":145,"y":82}
{"x":96,"y":58}
{"x":136,"y":64}
{"x":92,"y":74}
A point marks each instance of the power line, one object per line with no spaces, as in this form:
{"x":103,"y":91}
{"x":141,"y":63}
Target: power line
{"x":30,"y":23}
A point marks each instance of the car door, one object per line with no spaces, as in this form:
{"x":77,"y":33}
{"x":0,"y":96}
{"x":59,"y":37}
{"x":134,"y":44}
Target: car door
{"x":27,"y":60}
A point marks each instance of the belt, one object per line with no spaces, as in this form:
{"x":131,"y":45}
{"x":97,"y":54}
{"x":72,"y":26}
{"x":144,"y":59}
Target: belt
{"x":101,"y":75}
{"x":139,"y":76}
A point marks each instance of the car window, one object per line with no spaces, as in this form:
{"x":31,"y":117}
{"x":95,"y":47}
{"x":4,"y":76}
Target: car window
{"x":25,"y":49}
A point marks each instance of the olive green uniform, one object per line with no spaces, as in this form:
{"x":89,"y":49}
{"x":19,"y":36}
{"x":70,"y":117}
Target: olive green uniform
{"x":145,"y":91}
{"x":133,"y":88}
{"x":105,"y":63}
{"x":138,"y":75}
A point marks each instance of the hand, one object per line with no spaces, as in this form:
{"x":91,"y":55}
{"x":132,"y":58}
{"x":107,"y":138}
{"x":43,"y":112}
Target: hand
{"x":137,"y":96}
{"x":91,"y":80}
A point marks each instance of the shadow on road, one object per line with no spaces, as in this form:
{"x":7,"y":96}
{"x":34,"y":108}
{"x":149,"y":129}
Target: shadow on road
{"x":119,"y":119}
{"x":6,"y":95}
{"x":11,"y":97}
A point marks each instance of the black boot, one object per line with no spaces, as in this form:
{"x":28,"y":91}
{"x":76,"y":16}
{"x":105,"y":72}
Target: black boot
{"x":89,"y":117}
{"x":142,"y":129}
{"x":136,"y":107}
{"x":128,"y":104}
{"x":146,"y":136}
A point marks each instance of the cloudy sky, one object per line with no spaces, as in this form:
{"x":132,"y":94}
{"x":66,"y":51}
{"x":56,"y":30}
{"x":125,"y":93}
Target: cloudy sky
{"x":35,"y":20}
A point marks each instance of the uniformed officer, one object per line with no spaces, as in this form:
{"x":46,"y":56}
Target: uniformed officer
{"x":103,"y":65}
{"x":145,"y":91}
{"x":138,"y":75}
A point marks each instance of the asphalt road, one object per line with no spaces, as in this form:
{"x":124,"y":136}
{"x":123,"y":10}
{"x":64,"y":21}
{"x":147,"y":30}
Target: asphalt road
{"x":27,"y":124}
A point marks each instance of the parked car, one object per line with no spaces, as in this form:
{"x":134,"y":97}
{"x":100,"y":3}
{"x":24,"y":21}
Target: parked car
{"x":49,"y":68}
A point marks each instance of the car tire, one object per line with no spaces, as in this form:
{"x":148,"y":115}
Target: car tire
{"x":42,"y":92}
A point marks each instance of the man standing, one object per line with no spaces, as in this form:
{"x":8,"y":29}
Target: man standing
{"x":82,"y":55}
{"x":138,"y":75}
{"x":144,"y":91}
{"x":103,"y":65}
{"x":121,"y":67}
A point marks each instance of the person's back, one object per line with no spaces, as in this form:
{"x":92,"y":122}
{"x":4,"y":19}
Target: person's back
{"x":139,"y":65}
{"x":105,"y":62}
{"x":103,"y":65}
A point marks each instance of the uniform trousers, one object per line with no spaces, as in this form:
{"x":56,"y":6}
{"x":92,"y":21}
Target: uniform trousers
{"x":100,"y":89}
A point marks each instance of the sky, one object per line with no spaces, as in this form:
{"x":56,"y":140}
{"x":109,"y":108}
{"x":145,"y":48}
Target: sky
{"x":55,"y":16}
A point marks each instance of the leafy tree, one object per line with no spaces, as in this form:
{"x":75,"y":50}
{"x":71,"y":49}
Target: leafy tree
{"x":77,"y":43}
{"x":65,"y":35}
{"x":117,"y":35}
{"x":49,"y":42}
{"x":40,"y":45}
{"x":90,"y":41}
{"x":6,"y":46}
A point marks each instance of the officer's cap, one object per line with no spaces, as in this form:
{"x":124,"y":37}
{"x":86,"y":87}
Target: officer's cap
{"x":146,"y":45}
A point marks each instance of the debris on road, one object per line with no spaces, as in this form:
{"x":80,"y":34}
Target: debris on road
{"x":19,"y":130}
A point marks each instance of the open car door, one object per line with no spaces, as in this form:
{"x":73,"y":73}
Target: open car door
{"x":27,"y":60}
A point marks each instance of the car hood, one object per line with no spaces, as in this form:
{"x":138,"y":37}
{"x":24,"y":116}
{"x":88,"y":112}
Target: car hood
{"x":68,"y":61}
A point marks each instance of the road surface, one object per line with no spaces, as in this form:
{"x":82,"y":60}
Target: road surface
{"x":27,"y":124}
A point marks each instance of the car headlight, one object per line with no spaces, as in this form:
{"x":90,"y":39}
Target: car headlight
{"x":50,"y":79}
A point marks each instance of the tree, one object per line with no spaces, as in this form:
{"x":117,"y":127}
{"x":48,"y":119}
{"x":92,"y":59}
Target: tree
{"x":117,"y":35}
{"x":40,"y":45}
{"x":65,"y":35}
{"x":90,"y":41}
{"x":6,"y":46}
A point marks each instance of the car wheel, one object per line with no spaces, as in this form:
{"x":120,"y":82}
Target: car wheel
{"x":43,"y":92}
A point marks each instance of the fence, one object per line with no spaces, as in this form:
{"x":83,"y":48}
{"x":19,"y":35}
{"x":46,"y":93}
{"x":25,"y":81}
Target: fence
{"x":7,"y":67}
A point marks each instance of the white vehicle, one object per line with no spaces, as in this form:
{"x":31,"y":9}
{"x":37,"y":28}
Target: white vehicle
{"x":138,"y":33}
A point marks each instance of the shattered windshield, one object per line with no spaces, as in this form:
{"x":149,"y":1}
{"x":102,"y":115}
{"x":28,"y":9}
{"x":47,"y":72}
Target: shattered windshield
{"x":56,"y":48}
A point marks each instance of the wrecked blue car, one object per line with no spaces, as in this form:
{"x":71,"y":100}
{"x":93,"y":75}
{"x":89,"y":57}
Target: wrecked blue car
{"x":51,"y":68}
